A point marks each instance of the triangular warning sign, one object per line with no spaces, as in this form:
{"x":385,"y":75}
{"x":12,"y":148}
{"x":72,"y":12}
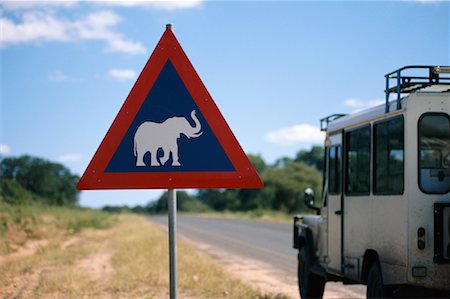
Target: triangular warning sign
{"x":169,"y":134}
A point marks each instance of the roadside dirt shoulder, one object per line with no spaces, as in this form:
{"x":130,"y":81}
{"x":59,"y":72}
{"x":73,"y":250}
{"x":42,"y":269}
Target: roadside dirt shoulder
{"x":267,"y":279}
{"x":257,"y":274}
{"x":30,"y":248}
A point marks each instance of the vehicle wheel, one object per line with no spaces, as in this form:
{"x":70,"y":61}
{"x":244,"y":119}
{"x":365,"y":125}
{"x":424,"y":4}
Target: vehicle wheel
{"x":310,"y":285}
{"x":375,"y":285}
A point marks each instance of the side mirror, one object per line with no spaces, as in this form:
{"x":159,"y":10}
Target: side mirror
{"x":309,"y":200}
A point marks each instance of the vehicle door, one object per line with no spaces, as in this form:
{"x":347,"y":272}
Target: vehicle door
{"x":335,"y":203}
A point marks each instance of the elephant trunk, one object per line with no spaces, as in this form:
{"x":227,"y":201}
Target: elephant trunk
{"x":197,"y":128}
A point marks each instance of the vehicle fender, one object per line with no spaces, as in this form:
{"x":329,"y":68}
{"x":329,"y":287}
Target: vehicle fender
{"x":370,"y":257}
{"x":303,"y":237}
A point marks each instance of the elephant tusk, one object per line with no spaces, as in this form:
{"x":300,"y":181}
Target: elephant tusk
{"x":197,"y":134}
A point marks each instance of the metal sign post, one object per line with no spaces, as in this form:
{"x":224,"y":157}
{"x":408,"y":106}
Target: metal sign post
{"x":173,"y":242}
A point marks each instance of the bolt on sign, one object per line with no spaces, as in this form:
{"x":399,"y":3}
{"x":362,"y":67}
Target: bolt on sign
{"x":169,"y":134}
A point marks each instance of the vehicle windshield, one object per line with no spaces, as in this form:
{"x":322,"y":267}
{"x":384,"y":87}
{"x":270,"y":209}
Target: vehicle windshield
{"x":434,"y":146}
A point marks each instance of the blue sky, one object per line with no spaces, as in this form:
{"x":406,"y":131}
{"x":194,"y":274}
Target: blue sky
{"x":273,"y":68}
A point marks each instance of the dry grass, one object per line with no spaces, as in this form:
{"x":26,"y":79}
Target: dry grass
{"x":127,"y":260}
{"x":264,"y":215}
{"x":21,"y":223}
{"x":141,"y":262}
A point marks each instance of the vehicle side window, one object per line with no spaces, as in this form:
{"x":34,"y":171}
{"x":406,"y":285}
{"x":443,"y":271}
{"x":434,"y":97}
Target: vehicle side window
{"x":388,"y":162}
{"x":334,"y":171}
{"x":434,"y":153}
{"x":358,"y":161}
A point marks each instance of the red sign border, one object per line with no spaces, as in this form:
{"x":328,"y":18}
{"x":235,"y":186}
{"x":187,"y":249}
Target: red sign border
{"x":94,"y":176}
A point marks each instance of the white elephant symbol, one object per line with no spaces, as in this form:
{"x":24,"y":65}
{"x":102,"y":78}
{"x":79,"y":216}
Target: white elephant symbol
{"x":151,"y":136}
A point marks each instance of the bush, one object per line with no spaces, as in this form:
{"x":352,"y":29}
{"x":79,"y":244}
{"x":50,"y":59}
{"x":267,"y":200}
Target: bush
{"x":186,"y":203}
{"x":12,"y":192}
{"x":52,"y":182}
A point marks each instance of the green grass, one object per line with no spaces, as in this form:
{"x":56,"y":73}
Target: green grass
{"x":75,"y":219}
{"x":19,"y":223}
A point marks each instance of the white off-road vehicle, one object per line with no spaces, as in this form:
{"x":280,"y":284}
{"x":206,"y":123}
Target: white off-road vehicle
{"x":385,"y":215}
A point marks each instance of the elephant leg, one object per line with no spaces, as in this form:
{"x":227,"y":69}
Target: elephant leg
{"x":174,"y":151}
{"x":140,"y":158}
{"x":165,"y":156}
{"x":154,"y":158}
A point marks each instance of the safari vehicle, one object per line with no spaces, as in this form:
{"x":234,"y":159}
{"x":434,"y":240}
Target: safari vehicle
{"x":385,"y":215}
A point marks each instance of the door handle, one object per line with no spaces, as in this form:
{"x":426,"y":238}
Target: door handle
{"x":338,"y":212}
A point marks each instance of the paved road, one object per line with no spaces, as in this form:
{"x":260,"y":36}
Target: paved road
{"x":268,"y":242}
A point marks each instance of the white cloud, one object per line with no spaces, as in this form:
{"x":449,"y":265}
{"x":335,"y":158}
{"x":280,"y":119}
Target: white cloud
{"x":27,"y":4}
{"x":358,"y":104}
{"x":58,"y":76}
{"x":97,"y":26}
{"x":120,"y":44}
{"x":430,"y":1}
{"x":41,"y":26}
{"x":4,"y":149}
{"x":302,"y":133}
{"x":17,"y":5}
{"x":353,"y":103}
{"x":157,"y":4}
{"x":71,"y":157}
{"x":122,"y":74}
{"x":34,"y":26}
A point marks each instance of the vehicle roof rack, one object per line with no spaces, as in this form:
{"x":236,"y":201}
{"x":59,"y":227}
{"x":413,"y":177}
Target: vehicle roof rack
{"x":437,"y":75}
{"x":326,"y":120}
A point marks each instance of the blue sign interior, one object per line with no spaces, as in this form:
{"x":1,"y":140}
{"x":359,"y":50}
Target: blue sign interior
{"x":169,"y":98}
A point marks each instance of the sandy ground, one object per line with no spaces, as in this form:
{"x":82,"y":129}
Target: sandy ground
{"x":28,"y":249}
{"x":267,"y":279}
{"x":97,"y":266}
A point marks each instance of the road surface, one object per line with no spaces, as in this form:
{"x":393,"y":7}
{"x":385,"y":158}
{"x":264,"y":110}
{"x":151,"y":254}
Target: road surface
{"x":265,"y":243}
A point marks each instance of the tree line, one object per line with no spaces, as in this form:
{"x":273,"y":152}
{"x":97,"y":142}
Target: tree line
{"x":27,"y":179}
{"x":284,"y":185}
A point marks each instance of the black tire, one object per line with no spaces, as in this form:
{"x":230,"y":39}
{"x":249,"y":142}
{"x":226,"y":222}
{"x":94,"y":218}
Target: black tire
{"x":375,"y":285}
{"x":310,"y":285}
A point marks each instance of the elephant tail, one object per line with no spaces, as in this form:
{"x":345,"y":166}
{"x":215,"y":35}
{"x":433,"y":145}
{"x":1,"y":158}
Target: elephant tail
{"x":134,"y":148}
